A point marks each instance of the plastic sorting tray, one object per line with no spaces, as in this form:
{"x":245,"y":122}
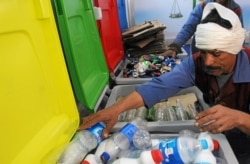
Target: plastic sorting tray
{"x":120,"y":80}
{"x":155,"y":126}
{"x":38,"y":111}
{"x":82,"y":50}
{"x":225,"y":151}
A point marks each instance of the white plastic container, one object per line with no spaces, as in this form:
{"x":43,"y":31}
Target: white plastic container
{"x":146,"y":157}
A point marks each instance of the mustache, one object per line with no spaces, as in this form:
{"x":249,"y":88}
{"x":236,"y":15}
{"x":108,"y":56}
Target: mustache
{"x":209,"y":69}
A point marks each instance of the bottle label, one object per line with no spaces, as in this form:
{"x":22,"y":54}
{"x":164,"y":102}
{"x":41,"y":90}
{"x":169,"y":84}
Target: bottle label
{"x":129,"y":130}
{"x":170,"y":152}
{"x":97,"y":131}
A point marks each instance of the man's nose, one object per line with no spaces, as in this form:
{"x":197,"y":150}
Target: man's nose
{"x":209,"y":60}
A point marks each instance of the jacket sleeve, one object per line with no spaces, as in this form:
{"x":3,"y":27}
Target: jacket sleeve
{"x":168,"y":84}
{"x":189,"y":27}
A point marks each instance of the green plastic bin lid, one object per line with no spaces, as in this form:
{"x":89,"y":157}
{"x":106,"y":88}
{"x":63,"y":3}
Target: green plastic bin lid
{"x":82,"y":49}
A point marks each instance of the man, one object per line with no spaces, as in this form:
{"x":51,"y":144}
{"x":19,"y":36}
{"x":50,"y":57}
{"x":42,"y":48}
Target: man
{"x":220,"y":70}
{"x":194,"y":19}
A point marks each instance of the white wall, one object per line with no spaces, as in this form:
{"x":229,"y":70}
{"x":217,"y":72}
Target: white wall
{"x":145,"y":10}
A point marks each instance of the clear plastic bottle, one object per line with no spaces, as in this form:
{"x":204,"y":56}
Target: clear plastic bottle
{"x":130,"y":115}
{"x":170,"y":112}
{"x":188,"y":133}
{"x":121,"y":140}
{"x":130,"y":153}
{"x":160,"y":114}
{"x":142,"y":139}
{"x":122,"y":116}
{"x":146,"y":157}
{"x":181,"y":113}
{"x":83,"y":142}
{"x":180,"y":149}
{"x":141,"y":112}
{"x":113,"y":146}
{"x":205,"y":156}
{"x":192,"y":112}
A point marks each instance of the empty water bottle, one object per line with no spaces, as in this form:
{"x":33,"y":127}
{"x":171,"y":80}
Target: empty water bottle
{"x":205,"y":156}
{"x":181,"y":113}
{"x":170,"y":112}
{"x":121,"y":140}
{"x":192,"y":112}
{"x":83,"y":142}
{"x":130,"y":115}
{"x":141,"y":112}
{"x":160,"y":114}
{"x":142,"y":139}
{"x":180,"y":149}
{"x":188,"y":133}
{"x":113,"y":146}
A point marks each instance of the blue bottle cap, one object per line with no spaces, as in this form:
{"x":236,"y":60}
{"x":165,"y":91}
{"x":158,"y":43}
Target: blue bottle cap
{"x":204,"y":144}
{"x":105,"y":157}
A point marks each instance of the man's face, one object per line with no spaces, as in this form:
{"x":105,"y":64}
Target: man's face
{"x":217,"y":62}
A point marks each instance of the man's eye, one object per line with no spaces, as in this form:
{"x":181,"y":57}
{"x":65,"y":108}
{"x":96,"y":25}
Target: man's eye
{"x":216,"y":53}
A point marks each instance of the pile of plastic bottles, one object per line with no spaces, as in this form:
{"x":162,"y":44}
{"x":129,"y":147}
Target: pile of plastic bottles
{"x":163,"y":111}
{"x":150,"y":65}
{"x":133,"y":144}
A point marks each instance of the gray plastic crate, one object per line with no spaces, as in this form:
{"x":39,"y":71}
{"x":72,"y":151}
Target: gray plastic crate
{"x":155,"y":126}
{"x":120,"y":80}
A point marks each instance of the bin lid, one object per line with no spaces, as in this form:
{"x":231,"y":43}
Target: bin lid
{"x":110,"y":33}
{"x":82,"y":50}
{"x":38,"y":110}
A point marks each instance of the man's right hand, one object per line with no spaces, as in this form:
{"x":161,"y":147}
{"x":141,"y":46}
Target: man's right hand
{"x":169,"y":53}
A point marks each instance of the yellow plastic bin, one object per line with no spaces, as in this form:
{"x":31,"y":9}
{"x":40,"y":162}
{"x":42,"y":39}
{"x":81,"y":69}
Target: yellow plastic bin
{"x":38,"y":110}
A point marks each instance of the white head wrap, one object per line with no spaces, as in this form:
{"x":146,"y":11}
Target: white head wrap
{"x":211,"y":36}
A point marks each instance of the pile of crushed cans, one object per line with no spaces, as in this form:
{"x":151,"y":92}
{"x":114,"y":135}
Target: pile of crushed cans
{"x":148,"y":66}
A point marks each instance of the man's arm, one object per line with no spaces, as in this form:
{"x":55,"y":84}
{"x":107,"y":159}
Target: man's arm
{"x":110,"y":115}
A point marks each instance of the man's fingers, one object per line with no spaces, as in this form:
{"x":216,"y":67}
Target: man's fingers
{"x":88,"y":121}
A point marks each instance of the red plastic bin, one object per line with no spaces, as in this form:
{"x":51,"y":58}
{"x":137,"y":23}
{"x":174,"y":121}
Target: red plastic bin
{"x":110,"y":33}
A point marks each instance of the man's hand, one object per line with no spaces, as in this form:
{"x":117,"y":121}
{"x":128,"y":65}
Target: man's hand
{"x":218,"y":119}
{"x":169,"y":52}
{"x":109,"y":116}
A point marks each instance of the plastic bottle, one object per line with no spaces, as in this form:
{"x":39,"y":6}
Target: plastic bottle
{"x":130,"y":153}
{"x":146,"y":157}
{"x":181,"y":113}
{"x":90,"y":159}
{"x":83,"y":142}
{"x":142,"y":139}
{"x":213,"y":145}
{"x":121,"y":140}
{"x":205,"y":156}
{"x":188,"y":133}
{"x":192,"y":112}
{"x":170,"y":113}
{"x":141,"y":112}
{"x":160,"y":114}
{"x":130,"y":115}
{"x":180,"y":149}
{"x":113,"y":146}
